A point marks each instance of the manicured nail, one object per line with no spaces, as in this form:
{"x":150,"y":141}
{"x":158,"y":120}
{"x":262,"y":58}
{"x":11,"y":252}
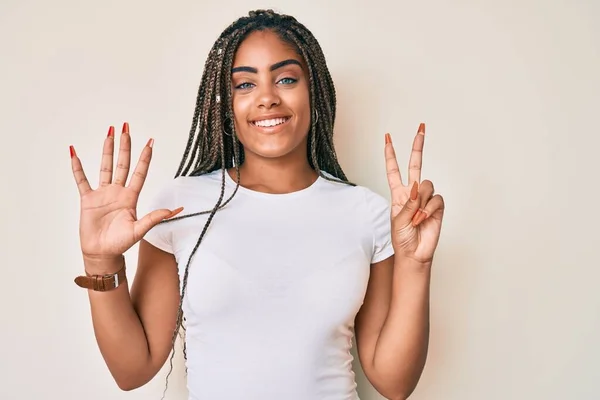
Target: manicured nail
{"x":111,"y":132}
{"x":421,"y":129}
{"x":416,"y":217}
{"x":72,"y":151}
{"x":125,"y":128}
{"x":414,"y":191}
{"x":421,"y":218}
{"x":150,"y":143}
{"x":388,"y":138}
{"x":174,"y":212}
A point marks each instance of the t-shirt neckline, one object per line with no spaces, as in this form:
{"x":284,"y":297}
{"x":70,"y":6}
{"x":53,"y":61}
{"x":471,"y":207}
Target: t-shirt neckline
{"x":302,"y":192}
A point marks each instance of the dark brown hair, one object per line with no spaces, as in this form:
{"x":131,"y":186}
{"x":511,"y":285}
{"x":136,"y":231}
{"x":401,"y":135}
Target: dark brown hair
{"x":213,"y":144}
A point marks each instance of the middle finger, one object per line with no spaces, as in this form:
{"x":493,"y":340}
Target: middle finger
{"x":124,"y":160}
{"x":106,"y":165}
{"x":416,"y":156}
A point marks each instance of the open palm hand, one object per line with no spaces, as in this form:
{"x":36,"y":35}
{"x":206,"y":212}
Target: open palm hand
{"x":108,"y":223}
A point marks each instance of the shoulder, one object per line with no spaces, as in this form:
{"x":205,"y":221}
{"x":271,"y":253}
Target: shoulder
{"x":360,"y":203}
{"x":186,"y":191}
{"x":372,"y":201}
{"x":207,"y":180}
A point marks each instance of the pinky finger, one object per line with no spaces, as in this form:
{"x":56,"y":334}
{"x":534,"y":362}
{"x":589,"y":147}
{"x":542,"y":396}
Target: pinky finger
{"x":83,"y":185}
{"x":433,"y":209}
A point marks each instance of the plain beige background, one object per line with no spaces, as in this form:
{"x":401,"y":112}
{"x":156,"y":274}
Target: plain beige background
{"x":510,"y":92}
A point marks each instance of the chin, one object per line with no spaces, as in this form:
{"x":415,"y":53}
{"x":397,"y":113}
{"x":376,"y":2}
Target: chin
{"x":274,"y":147}
{"x":269,"y":151}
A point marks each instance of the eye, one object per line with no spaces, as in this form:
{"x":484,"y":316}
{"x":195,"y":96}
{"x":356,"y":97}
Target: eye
{"x":244,"y":85}
{"x":288,"y":81}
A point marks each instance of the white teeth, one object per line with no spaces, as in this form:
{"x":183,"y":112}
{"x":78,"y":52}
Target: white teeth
{"x":270,"y":122}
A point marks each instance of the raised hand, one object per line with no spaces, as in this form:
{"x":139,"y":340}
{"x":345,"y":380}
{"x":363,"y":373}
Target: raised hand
{"x":108,"y":222}
{"x":416,"y":213}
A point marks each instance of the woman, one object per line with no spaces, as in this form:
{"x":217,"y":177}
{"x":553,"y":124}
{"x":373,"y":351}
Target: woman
{"x":296,"y":259}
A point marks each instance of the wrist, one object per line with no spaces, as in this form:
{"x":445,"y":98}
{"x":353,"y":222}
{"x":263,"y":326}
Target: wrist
{"x":103,"y":265}
{"x":411,"y":265}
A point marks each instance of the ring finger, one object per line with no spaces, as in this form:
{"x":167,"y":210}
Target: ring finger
{"x":426,"y":191}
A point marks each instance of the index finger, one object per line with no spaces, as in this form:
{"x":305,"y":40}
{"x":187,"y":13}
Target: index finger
{"x":141,"y":169}
{"x":416,"y":156}
{"x":391,"y":165}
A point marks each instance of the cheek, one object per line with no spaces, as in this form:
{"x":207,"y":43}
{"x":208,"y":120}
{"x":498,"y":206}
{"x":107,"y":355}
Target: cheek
{"x":241,"y":109}
{"x":300,"y":103}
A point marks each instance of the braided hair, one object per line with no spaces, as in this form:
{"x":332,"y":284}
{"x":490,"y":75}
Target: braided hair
{"x":209,"y":148}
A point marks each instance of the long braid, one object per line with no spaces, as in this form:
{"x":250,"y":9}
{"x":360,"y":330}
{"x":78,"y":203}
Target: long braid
{"x":183,"y":168}
{"x":212,"y":143}
{"x":324,"y":104}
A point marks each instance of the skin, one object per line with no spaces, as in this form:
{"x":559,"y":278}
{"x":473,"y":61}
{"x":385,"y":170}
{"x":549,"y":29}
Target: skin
{"x":276,"y":159}
{"x":392,"y":326}
{"x":134,"y":328}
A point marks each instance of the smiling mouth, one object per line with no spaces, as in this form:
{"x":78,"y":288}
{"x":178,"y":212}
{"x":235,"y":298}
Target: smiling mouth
{"x":270,"y":123}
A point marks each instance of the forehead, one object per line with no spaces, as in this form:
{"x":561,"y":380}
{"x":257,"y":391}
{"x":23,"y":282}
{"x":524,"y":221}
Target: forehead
{"x":263,"y":49}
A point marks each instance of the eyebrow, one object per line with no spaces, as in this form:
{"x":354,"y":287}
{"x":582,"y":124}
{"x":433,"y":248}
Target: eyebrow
{"x":273,"y":67}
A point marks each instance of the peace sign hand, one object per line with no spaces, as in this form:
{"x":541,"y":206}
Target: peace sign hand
{"x":416,"y":213}
{"x":108,"y":223}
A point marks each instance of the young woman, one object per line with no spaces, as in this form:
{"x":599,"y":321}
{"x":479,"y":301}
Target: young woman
{"x":278,"y":259}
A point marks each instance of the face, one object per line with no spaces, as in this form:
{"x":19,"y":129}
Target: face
{"x":271,"y":102}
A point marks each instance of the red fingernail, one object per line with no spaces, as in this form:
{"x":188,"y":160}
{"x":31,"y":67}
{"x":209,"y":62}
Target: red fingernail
{"x":414,"y":191}
{"x":421,"y":218}
{"x":174,"y":212}
{"x":421,"y":129}
{"x":416,"y":217}
{"x":388,"y":138}
{"x":125,"y":128}
{"x":111,"y":132}
{"x":150,"y":143}
{"x":72,"y":151}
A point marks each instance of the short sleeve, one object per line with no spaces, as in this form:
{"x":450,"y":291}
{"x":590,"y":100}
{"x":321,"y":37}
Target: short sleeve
{"x":378,"y":209}
{"x":161,"y":235}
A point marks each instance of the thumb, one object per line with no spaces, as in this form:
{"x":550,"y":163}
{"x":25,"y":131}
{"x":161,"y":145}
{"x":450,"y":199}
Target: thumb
{"x":410,"y":208}
{"x":150,"y":220}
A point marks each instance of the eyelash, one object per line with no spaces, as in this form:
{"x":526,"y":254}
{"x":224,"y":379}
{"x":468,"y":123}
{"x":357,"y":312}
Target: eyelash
{"x":241,"y":85}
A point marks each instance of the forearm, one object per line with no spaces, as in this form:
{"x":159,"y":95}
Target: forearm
{"x":119,"y":333}
{"x":402,"y":345}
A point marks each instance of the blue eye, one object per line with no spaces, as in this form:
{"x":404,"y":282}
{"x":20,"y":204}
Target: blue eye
{"x":244,"y":85}
{"x":288,"y":81}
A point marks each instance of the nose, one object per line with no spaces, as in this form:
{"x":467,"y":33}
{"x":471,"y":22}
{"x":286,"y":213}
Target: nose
{"x":268,"y":97}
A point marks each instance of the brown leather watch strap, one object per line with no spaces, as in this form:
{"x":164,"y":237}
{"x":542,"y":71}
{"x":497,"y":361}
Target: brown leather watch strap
{"x":102,"y":283}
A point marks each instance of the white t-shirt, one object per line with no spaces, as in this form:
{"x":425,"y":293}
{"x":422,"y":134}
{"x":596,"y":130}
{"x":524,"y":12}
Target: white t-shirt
{"x":275,"y":285}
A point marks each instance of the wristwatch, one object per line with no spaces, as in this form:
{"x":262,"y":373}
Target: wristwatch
{"x":102,"y":283}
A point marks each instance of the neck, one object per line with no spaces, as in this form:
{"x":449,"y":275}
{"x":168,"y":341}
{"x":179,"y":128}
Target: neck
{"x":276,"y":176}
